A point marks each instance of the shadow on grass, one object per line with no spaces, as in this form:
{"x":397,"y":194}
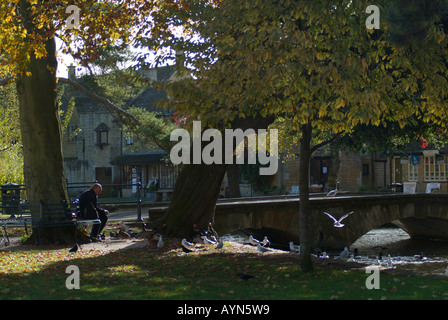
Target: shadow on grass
{"x":142,"y":273}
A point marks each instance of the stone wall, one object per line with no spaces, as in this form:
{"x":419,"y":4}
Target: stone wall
{"x":350,"y":171}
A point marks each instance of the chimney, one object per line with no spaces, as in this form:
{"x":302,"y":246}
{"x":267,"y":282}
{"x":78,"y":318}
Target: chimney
{"x":71,"y":72}
{"x":180,"y":58}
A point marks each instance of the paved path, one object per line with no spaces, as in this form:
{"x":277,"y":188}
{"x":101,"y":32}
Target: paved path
{"x":108,"y":245}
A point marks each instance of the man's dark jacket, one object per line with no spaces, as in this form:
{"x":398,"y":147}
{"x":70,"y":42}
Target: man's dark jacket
{"x":88,"y":205}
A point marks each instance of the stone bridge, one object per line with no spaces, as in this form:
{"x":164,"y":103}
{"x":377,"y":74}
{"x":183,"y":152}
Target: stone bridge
{"x":420,"y":215}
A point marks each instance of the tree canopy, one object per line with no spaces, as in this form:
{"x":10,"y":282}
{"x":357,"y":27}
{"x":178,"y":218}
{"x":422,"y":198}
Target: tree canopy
{"x":313,"y":62}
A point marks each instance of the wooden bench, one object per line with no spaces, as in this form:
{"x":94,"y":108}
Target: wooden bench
{"x":50,"y":215}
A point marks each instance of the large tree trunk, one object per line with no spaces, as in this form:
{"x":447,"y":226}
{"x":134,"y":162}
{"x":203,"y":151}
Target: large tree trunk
{"x":192,"y":207}
{"x":41,"y":136}
{"x":304,"y":206}
{"x":194,"y":198}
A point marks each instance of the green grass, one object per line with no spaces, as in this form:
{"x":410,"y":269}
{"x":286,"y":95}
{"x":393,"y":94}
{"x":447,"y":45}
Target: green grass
{"x":142,"y":273}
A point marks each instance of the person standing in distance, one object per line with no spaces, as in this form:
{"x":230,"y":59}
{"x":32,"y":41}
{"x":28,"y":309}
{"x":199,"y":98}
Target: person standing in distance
{"x":88,"y":207}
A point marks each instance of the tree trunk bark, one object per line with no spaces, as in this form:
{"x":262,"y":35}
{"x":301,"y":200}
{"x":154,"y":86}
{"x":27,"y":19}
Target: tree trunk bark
{"x":304,"y":206}
{"x":194,"y":198}
{"x":192,"y":207}
{"x":41,"y":137}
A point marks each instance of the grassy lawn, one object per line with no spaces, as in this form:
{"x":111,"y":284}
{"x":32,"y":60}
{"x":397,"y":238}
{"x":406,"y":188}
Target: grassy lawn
{"x":144,"y":273}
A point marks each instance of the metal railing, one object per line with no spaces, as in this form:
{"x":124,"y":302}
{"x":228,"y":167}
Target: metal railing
{"x":13,"y":202}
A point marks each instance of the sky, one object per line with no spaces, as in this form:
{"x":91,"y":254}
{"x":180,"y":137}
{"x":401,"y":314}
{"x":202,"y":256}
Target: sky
{"x":63,"y":60}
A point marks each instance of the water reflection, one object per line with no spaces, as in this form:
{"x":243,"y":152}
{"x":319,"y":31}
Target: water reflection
{"x":400,"y":246}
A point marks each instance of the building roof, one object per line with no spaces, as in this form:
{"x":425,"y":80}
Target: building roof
{"x":83,"y":103}
{"x":148,"y":99}
{"x":150,"y":96}
{"x":417,"y":149}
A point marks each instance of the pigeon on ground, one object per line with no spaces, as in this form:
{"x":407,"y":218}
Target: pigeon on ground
{"x":123,"y":234}
{"x":332,"y":193}
{"x":123,"y":227}
{"x":344,"y":254}
{"x":186,"y":250}
{"x":262,"y":249}
{"x":207,"y":240}
{"x":420,"y":256}
{"x":253,"y":241}
{"x":266,"y":242}
{"x":244,"y":276}
{"x":388,"y":261}
{"x":160,"y":243}
{"x":293,"y":247}
{"x":186,"y":243}
{"x":337,"y":223}
{"x":75,"y":248}
{"x":220,"y":244}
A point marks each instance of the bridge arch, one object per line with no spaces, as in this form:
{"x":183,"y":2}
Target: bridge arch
{"x":420,"y":215}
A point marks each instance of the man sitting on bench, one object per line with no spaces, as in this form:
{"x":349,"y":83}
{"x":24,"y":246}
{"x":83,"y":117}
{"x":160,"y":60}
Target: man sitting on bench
{"x":88,"y":207}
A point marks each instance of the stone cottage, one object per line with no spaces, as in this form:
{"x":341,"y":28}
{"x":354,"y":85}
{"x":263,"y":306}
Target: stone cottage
{"x":95,"y":147}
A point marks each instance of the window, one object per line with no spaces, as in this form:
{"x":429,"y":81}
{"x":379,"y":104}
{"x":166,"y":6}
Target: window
{"x":102,"y":135}
{"x":412,"y":172}
{"x":365,"y":169}
{"x":434,"y":171}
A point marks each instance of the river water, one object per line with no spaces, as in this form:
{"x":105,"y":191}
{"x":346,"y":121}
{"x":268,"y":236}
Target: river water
{"x":374,"y":248}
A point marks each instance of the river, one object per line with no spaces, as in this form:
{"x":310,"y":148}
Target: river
{"x":420,"y":255}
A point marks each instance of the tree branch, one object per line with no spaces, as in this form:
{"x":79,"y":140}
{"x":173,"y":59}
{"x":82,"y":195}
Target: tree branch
{"x":116,"y":111}
{"x":323,"y":143}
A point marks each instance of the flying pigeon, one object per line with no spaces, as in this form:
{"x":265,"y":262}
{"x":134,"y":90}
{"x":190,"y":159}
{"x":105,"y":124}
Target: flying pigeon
{"x":266,"y":242}
{"x":293,"y":247}
{"x":262,"y":249}
{"x":244,"y":276}
{"x":160,"y":243}
{"x":75,"y":248}
{"x":337,"y":223}
{"x":253,"y":241}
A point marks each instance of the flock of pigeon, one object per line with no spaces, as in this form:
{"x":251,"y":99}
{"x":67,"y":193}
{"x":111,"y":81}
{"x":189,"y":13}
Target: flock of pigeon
{"x":188,"y":247}
{"x":263,"y":246}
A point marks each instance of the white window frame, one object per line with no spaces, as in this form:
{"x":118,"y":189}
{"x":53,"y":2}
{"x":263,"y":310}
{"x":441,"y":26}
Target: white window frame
{"x":412,"y":172}
{"x":434,"y":171}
